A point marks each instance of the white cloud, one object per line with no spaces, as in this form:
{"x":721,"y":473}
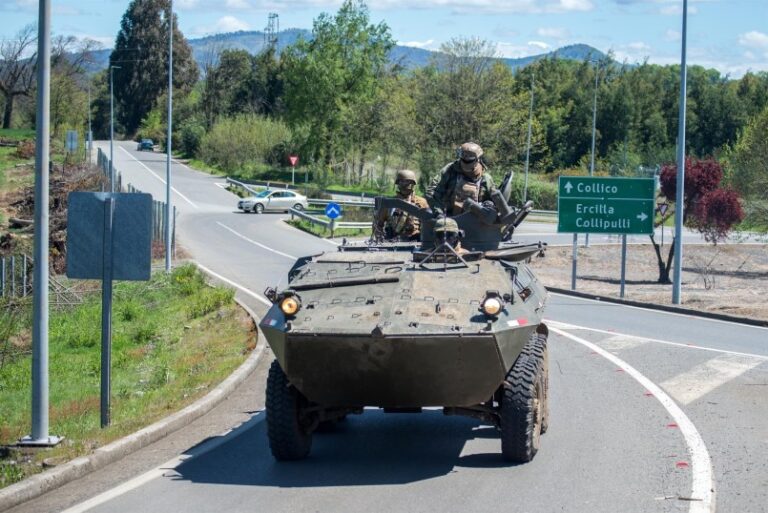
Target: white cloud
{"x":673,"y":35}
{"x":554,"y":32}
{"x":754,"y":39}
{"x":538,"y":44}
{"x":238,"y":4}
{"x":186,"y":4}
{"x":487,"y":6}
{"x":639,"y":46}
{"x":417,"y":44}
{"x":513,"y":51}
{"x":223,"y":24}
{"x":677,"y":10}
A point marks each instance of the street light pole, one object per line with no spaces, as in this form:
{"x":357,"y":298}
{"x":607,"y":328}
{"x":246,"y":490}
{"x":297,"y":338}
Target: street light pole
{"x":168,"y":210}
{"x":594,"y":129}
{"x":39,"y":435}
{"x":679,"y":196}
{"x":528,"y":143}
{"x":111,"y":129}
{"x":90,"y":132}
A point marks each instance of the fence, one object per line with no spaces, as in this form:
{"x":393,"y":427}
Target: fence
{"x":159,"y":212}
{"x":15,"y":276}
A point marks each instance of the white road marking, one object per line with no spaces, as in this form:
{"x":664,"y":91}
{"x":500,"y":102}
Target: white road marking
{"x":687,"y":316}
{"x":238,"y":287}
{"x":158,"y":177}
{"x":221,"y":185}
{"x":703,"y":379}
{"x":622,"y":342}
{"x":158,"y":472}
{"x":286,"y":255}
{"x":566,"y":326}
{"x":701,"y":464}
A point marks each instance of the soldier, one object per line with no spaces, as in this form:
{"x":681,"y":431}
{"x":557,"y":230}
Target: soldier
{"x":464,"y":178}
{"x":395,"y":224}
{"x":447,"y":230}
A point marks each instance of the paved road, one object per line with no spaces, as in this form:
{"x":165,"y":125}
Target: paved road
{"x":649,"y":409}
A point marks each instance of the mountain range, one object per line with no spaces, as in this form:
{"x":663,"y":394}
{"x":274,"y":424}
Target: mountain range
{"x":205,"y":49}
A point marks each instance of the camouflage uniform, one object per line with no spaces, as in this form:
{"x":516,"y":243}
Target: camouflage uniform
{"x":395,"y":224}
{"x":458,"y":181}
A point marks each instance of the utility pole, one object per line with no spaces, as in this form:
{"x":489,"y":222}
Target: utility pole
{"x":90,"y":132}
{"x":594,"y":129}
{"x":528,"y":144}
{"x":39,"y":435}
{"x":111,"y":129}
{"x":168,"y":210}
{"x":679,"y":196}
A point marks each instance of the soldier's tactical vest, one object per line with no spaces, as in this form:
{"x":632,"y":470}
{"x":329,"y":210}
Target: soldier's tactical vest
{"x":464,"y":189}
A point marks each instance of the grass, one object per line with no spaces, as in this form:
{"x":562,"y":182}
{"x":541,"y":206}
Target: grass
{"x":173,"y":339}
{"x":321,"y":231}
{"x":16,"y":134}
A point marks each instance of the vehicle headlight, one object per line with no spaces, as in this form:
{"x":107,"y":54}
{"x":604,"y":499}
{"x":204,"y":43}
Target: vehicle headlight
{"x":290,"y":305}
{"x":491,"y":306}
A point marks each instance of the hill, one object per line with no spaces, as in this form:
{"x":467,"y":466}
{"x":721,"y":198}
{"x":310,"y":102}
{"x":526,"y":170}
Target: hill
{"x":206,"y":49}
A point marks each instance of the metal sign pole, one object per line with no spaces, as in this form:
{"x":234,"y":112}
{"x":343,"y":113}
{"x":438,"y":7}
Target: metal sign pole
{"x":623,"y":263}
{"x":106,"y":312}
{"x":168,"y":236}
{"x":575,"y":259}
{"x":679,"y":197}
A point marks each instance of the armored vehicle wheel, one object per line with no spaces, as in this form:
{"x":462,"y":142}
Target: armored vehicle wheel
{"x":288,"y":438}
{"x":545,"y":388}
{"x":523,"y":402}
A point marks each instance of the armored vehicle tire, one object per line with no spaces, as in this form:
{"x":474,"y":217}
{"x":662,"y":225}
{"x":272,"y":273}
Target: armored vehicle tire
{"x":288,"y":438}
{"x":523,"y":403}
{"x":258,"y":208}
{"x":545,"y":388}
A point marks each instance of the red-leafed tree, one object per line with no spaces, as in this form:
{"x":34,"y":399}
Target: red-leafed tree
{"x":708,"y":208}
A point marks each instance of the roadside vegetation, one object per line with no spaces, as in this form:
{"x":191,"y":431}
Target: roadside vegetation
{"x":174,"y":338}
{"x":325,"y":232}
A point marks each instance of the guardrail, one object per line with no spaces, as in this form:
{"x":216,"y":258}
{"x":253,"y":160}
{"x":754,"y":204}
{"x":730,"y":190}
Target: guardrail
{"x":360,"y":198}
{"x":331,"y":225}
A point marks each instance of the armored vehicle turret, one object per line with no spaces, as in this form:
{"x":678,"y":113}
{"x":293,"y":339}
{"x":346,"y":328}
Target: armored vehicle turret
{"x":453,"y":322}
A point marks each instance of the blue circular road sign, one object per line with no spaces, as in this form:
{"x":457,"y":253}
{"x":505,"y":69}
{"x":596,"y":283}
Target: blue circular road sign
{"x":333,"y":210}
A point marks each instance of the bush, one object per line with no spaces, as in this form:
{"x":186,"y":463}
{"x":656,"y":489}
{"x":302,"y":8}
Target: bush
{"x":208,"y":300}
{"x":543,"y":193}
{"x":187,"y":279}
{"x":242,"y":142}
{"x":192,"y":133}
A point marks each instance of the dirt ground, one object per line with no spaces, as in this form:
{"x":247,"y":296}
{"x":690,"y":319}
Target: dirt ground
{"x":730,"y":279}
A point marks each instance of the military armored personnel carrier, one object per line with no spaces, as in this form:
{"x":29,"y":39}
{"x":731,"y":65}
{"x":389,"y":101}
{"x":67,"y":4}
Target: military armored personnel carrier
{"x":404,"y":326}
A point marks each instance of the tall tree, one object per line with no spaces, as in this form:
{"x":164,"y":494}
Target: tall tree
{"x":141,"y":52}
{"x":332,"y":78}
{"x":17,"y":69}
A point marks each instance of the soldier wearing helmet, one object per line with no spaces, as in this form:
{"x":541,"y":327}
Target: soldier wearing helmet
{"x":464,"y":178}
{"x":395,"y":224}
{"x":447,"y":230}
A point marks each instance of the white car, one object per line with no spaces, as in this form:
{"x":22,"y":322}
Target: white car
{"x":281,"y":200}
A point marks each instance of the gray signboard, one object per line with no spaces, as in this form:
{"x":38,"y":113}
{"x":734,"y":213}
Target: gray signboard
{"x":88,"y":218}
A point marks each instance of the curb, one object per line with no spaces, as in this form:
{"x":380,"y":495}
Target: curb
{"x":38,"y":484}
{"x":664,"y":308}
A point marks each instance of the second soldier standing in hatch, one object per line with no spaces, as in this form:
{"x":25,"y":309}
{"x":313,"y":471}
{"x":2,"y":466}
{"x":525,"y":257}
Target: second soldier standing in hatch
{"x":394,"y":224}
{"x":465,"y":178}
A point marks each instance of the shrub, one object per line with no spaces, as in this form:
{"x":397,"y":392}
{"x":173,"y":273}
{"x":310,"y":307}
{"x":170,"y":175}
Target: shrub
{"x":187,"y":279}
{"x":192,"y":133}
{"x":208,"y":300}
{"x":242,"y":142}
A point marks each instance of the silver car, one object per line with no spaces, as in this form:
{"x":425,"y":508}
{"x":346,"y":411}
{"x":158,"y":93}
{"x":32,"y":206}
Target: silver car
{"x":280,"y":200}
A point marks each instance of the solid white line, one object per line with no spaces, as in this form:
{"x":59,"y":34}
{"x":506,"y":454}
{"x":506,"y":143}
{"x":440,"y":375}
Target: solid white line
{"x":704,"y":378}
{"x":565,"y":326}
{"x":238,"y":287}
{"x":286,"y":255}
{"x":156,"y":472}
{"x":701,"y":464}
{"x":158,"y":177}
{"x":688,"y":316}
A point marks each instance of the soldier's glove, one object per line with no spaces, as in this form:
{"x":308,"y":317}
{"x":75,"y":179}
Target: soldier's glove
{"x":438,"y":212}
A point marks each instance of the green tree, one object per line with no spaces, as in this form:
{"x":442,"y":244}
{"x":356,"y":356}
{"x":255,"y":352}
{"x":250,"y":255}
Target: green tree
{"x":332,"y":79}
{"x":748,"y":169}
{"x":17,"y":69}
{"x":141,"y":52}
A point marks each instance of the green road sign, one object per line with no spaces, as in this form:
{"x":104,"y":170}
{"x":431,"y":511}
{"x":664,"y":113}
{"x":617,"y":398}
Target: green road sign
{"x":605,"y":205}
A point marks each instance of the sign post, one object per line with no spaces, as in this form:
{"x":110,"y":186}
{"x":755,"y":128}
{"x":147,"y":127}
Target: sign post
{"x":109,"y":238}
{"x":605,"y":205}
{"x":333,"y":211}
{"x":293,"y":159}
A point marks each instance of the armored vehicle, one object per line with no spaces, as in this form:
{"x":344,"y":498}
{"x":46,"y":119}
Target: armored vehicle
{"x":405,"y":326}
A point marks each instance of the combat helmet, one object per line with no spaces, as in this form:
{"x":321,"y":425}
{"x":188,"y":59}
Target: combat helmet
{"x":405,"y":174}
{"x":469,"y":153}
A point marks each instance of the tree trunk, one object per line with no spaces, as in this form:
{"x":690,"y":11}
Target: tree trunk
{"x":8,"y":112}
{"x":663,"y":267}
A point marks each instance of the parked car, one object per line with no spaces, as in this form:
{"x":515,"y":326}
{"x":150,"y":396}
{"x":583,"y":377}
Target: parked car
{"x":146,"y":144}
{"x":282,"y":200}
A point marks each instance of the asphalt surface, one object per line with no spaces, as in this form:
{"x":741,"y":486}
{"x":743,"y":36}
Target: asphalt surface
{"x":650,"y":411}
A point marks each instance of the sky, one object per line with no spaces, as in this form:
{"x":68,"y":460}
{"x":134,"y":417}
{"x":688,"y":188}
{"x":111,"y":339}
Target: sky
{"x":728,"y":35}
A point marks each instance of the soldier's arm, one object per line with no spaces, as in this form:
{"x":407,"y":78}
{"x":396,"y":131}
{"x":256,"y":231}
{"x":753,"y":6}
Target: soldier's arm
{"x":437,"y":189}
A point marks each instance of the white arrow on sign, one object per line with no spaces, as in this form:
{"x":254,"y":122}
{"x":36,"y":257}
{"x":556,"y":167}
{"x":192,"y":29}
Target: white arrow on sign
{"x":568,"y":187}
{"x":642,"y":216}
{"x":333,"y":210}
